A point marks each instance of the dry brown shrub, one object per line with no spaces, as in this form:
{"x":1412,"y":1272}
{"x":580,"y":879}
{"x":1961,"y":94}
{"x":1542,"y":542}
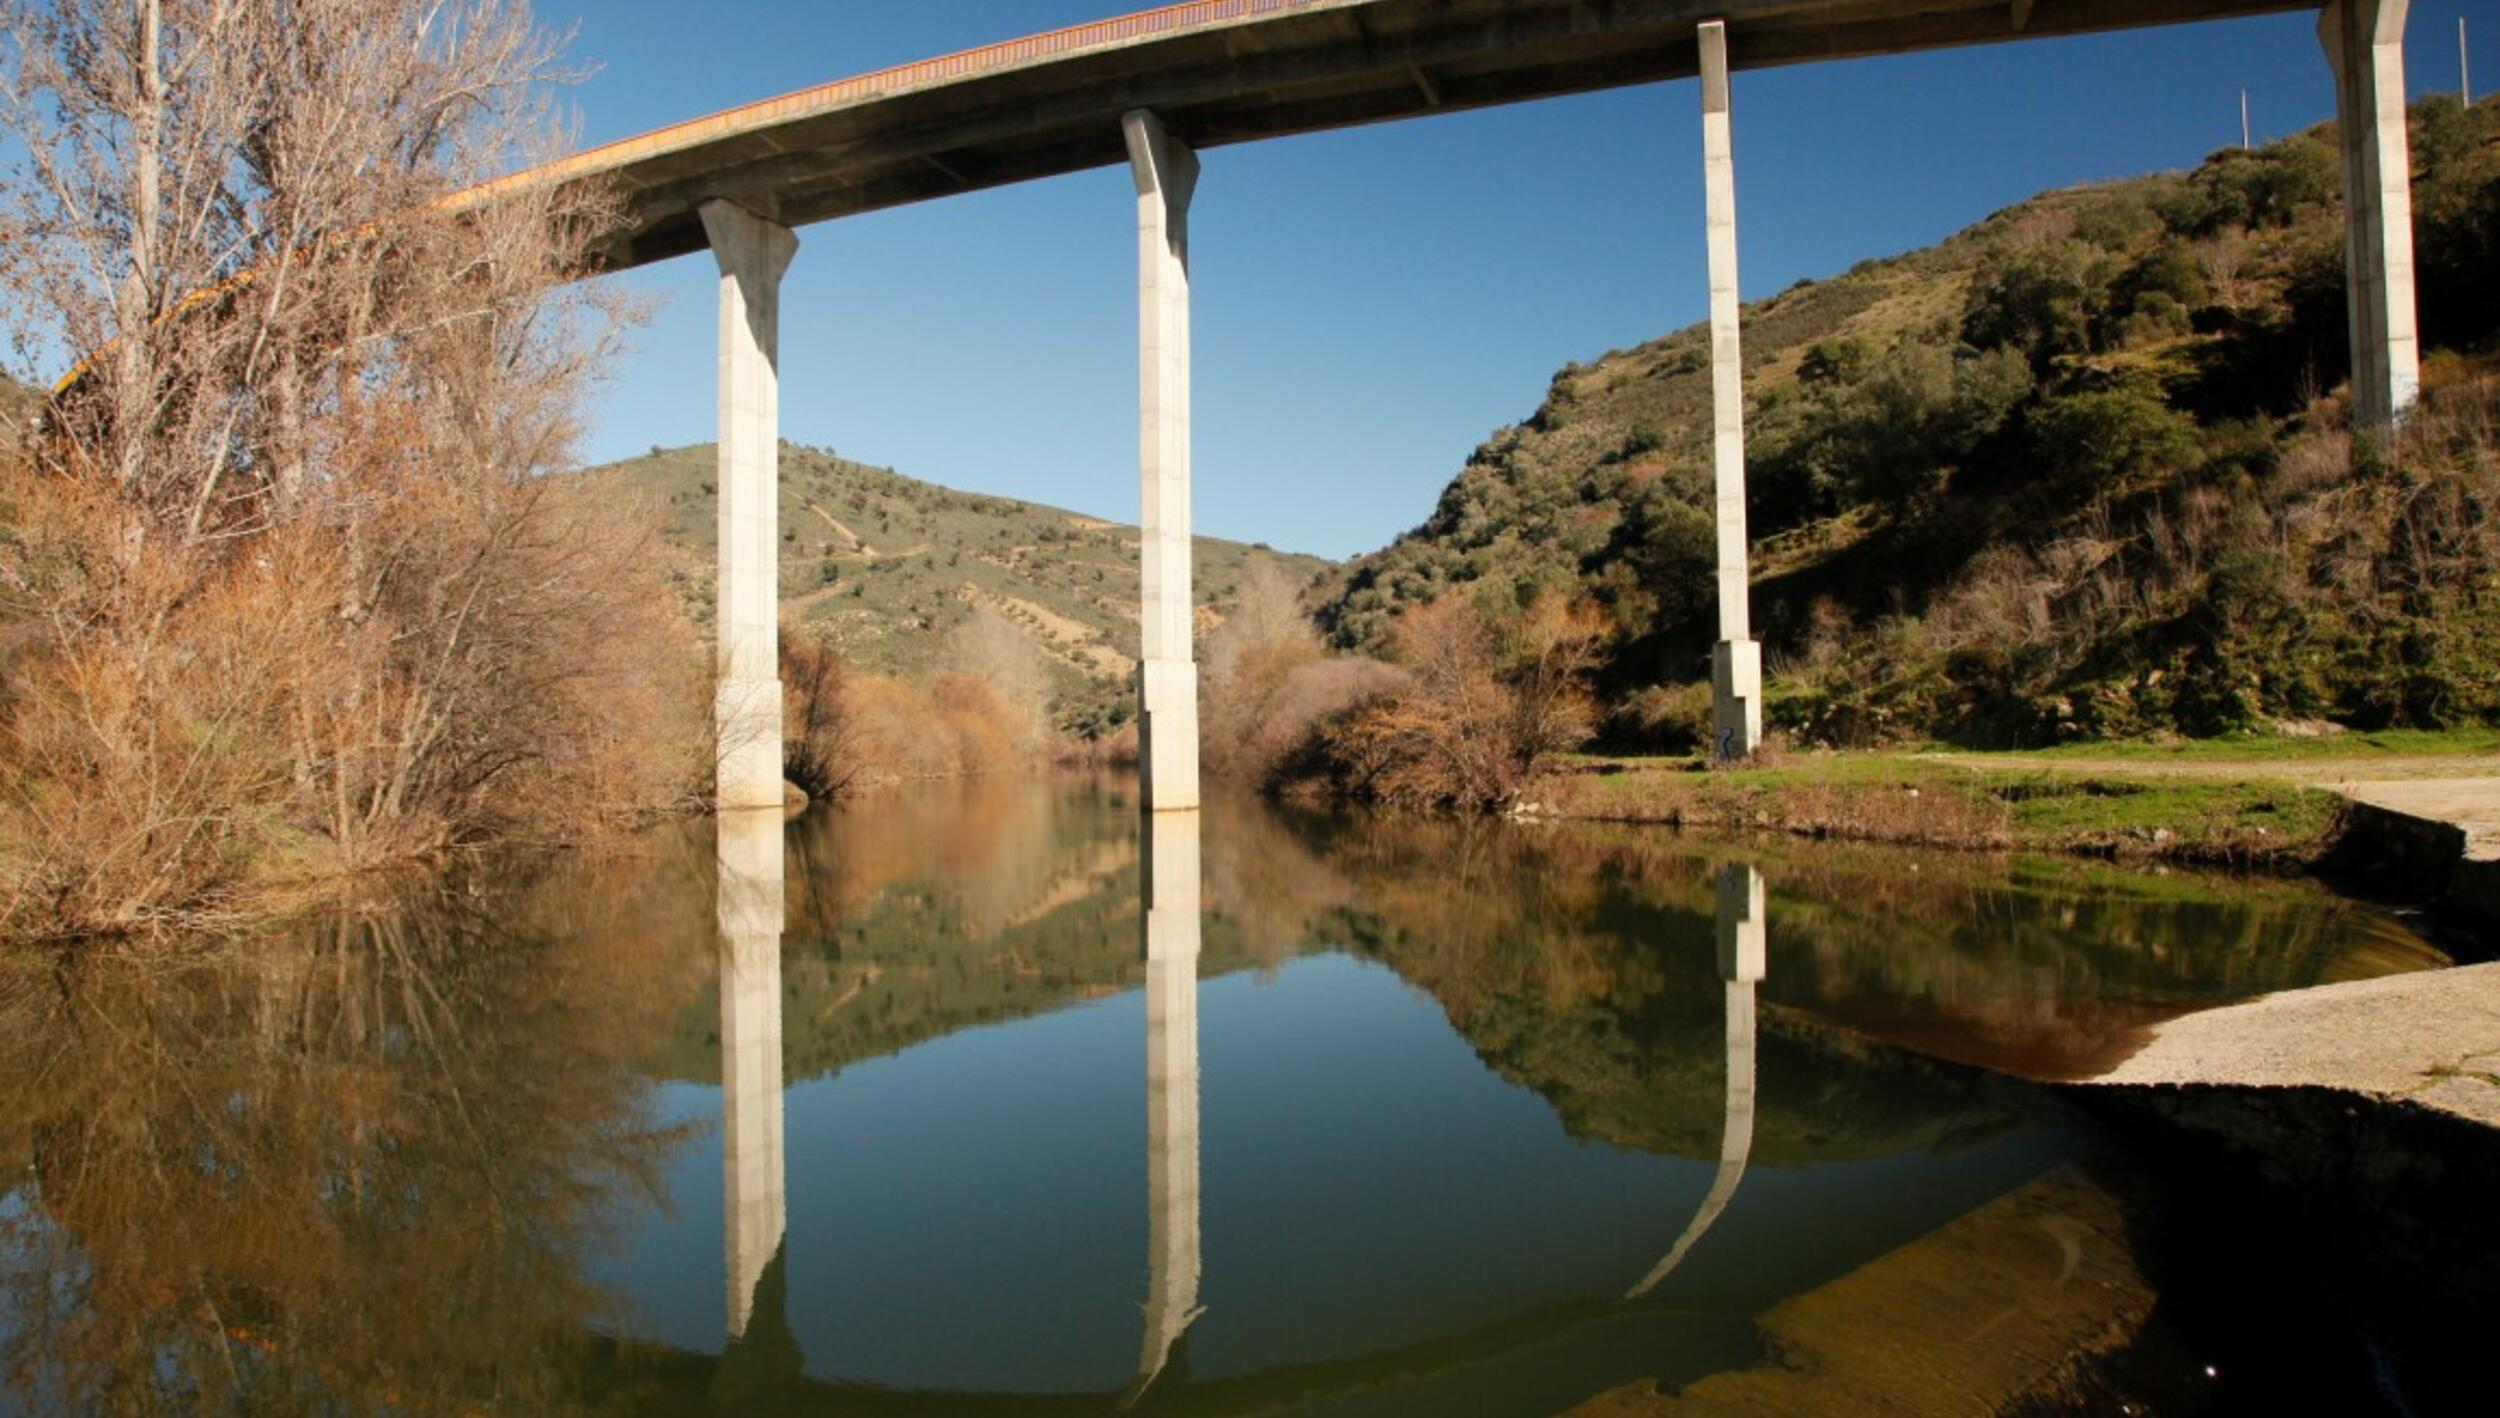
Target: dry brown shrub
{"x":822,"y":744}
{"x":877,"y":730}
{"x":1262,"y":643}
{"x":1272,"y":688}
{"x":975,"y":730}
{"x":1116,"y":749}
{"x":1491,"y":699}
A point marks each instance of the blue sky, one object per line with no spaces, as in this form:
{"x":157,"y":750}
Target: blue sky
{"x":1369,"y":304}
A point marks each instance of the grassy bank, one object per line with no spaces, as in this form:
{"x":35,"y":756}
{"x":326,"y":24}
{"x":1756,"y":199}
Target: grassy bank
{"x":2271,"y":816}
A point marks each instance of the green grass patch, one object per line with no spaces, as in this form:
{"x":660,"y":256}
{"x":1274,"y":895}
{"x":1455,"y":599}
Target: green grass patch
{"x":2235,"y":748}
{"x":1917,"y":798}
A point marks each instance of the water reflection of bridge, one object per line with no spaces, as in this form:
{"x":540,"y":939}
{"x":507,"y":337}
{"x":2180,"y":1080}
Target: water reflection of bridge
{"x":761,"y":1346}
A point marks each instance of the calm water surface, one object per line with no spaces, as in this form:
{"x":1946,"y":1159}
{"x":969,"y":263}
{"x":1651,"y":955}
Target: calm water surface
{"x":1000,"y":1100}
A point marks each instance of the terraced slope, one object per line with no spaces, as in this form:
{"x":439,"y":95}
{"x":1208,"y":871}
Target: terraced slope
{"x":885,"y":566}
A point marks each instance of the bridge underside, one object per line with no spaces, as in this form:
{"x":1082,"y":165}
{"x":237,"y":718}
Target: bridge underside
{"x":1052,"y":104}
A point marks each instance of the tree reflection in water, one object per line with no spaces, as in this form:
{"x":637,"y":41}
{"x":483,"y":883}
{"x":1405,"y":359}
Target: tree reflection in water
{"x":359,"y":1165}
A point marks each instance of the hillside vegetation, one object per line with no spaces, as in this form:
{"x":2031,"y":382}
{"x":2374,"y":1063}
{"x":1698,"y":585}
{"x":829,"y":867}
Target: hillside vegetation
{"x":2078,"y":471}
{"x":886,"y":569}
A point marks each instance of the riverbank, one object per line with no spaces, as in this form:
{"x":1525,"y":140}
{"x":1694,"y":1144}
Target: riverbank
{"x":2276,"y":804}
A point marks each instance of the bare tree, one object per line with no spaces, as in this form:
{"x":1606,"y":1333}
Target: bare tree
{"x":990,"y":649}
{"x":294,"y":540}
{"x":2224,"y":258}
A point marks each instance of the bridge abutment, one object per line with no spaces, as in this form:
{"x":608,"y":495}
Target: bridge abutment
{"x":746,"y":707}
{"x":2364,"y":41}
{"x":1167,"y":671}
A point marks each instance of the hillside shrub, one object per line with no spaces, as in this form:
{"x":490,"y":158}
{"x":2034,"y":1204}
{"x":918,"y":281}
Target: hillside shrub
{"x":1493,"y":694}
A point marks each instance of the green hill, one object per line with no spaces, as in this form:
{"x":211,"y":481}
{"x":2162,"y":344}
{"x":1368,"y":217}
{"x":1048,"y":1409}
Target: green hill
{"x":884,"y":566}
{"x":2065,"y":473}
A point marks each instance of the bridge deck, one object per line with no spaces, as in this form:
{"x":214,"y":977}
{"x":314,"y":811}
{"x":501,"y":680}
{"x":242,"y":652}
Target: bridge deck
{"x":1230,"y":71}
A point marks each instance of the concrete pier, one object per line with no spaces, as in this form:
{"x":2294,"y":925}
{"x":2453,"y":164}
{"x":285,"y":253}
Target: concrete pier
{"x":2364,"y":42}
{"x":1743,"y":957}
{"x":746,"y":707}
{"x":754,"y":1186}
{"x":1167,"y":672}
{"x":1736,"y":662}
{"x":1170,"y":877}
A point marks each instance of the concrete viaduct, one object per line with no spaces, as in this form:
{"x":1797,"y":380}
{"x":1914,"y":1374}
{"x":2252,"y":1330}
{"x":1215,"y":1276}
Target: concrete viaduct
{"x":1153,"y":88}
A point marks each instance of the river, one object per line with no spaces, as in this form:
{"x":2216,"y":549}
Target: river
{"x":999,"y":1098}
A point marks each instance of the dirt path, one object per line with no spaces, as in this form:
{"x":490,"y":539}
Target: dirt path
{"x":858,"y":543}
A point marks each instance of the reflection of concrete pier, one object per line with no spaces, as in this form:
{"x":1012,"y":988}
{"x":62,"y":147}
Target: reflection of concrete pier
{"x":1742,"y":958}
{"x":753,"y":1186}
{"x":1170,"y":881}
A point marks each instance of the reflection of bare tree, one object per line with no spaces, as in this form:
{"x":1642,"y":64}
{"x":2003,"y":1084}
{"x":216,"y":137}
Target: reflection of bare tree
{"x":356,"y":1167}
{"x":1742,"y":961}
{"x":916,"y":914}
{"x":1171,"y":929}
{"x":991,"y":845}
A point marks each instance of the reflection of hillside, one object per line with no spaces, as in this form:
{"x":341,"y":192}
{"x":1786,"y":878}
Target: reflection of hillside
{"x":1594,"y":981}
{"x":2052,"y":968}
{"x":352,"y":1169}
{"x":1630,"y":1052}
{"x":913,"y":915}
{"x":1579,"y":963}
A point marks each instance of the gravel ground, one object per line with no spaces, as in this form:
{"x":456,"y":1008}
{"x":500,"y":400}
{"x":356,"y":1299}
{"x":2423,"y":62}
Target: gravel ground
{"x":2432,"y":1038}
{"x":2472,"y":804}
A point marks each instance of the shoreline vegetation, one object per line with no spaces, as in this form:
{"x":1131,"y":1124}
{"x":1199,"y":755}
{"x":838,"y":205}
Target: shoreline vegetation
{"x":295,"y":583}
{"x":1974,"y":802}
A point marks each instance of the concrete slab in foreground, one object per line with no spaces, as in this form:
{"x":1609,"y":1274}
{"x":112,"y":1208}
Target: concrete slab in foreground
{"x":2431,"y":1039}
